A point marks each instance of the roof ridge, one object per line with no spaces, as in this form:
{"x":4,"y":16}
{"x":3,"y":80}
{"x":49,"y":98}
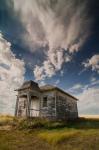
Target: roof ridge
{"x":47,"y":85}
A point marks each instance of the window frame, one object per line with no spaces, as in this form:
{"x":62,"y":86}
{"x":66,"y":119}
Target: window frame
{"x":45,"y":102}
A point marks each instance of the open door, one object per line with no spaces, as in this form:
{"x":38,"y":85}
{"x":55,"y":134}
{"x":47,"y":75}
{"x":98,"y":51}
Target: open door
{"x":35,"y":107}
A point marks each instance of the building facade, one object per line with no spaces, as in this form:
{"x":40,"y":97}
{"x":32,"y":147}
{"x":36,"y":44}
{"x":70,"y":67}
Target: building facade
{"x":46,"y":101}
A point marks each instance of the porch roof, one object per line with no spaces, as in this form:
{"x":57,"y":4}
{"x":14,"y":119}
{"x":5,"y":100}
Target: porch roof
{"x":29,"y":84}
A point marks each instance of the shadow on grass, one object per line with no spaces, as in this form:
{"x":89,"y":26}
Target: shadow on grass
{"x":84,"y":123}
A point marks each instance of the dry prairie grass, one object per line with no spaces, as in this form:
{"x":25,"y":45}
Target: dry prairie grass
{"x":37,"y":134}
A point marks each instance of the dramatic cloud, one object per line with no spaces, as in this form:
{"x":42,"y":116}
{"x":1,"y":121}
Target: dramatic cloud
{"x":38,"y":72}
{"x":88,"y":96}
{"x":93,"y":79}
{"x":92,"y":63}
{"x":60,"y":27}
{"x":11,"y":76}
{"x":77,"y":86}
{"x":89,"y":101}
{"x":57,"y":82}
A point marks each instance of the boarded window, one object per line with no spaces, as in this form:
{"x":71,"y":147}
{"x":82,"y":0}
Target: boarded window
{"x":45,"y":101}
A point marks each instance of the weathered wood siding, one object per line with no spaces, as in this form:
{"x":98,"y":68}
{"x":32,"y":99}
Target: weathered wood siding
{"x":48,"y":111}
{"x":66,"y":106}
{"x":59,"y":105}
{"x":72,"y":108}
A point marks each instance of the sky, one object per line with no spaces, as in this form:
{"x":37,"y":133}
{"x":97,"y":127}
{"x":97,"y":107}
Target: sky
{"x":51,"y":42}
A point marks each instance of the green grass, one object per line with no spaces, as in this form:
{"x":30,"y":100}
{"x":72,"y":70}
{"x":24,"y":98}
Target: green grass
{"x":38,"y":134}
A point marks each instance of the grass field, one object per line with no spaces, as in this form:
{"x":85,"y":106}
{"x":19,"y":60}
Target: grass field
{"x":18,"y":134}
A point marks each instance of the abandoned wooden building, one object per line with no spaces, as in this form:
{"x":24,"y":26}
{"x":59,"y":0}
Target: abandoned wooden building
{"x":45,"y":101}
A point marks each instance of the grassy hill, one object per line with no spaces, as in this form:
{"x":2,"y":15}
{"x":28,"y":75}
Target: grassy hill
{"x":37,"y":134}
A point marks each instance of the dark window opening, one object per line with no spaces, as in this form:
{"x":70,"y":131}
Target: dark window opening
{"x":53,"y":102}
{"x":45,"y":101}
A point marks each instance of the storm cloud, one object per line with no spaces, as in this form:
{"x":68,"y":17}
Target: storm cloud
{"x":60,"y":27}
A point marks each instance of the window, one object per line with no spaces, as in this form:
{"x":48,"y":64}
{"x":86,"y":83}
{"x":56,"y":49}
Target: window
{"x":45,"y":101}
{"x":53,"y":102}
{"x":24,"y":104}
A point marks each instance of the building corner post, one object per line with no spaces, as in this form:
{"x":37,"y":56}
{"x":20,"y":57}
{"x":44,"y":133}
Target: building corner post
{"x":55,"y":105}
{"x":40,"y":98}
{"x":28,"y":105}
{"x":16,"y":106}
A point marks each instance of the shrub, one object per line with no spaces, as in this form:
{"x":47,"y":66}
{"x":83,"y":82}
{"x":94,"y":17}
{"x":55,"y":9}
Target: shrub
{"x":38,"y":123}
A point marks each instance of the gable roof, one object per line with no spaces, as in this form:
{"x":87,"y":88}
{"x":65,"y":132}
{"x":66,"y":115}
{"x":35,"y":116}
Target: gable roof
{"x":34,"y":86}
{"x":47,"y":87}
{"x":51,"y":87}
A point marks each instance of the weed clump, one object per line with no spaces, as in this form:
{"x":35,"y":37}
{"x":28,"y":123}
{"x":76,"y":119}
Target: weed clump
{"x":39,"y":123}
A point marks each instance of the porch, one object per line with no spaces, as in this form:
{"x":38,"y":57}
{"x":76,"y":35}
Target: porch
{"x":28,"y":105}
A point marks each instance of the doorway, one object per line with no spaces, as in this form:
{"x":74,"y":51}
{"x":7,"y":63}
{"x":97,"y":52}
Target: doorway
{"x":34,"y":107}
